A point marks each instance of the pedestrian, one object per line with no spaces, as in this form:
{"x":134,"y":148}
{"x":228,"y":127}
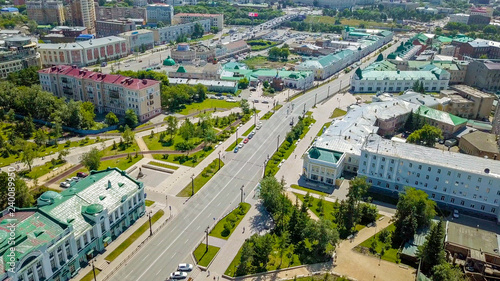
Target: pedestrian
{"x":295,"y":156}
{"x":243,"y":229}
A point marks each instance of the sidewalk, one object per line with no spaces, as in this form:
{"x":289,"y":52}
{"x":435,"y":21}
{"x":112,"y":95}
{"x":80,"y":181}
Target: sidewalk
{"x":106,"y":267}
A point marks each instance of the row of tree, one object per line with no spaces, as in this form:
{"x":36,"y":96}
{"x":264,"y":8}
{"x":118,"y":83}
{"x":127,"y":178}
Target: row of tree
{"x":276,"y":53}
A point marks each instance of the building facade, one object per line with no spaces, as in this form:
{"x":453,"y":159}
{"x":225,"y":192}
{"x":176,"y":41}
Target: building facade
{"x":160,"y":13}
{"x":106,"y":28}
{"x":484,"y":75}
{"x":83,"y":14}
{"x":113,"y":13}
{"x":46,"y":11}
{"x":455,"y":180}
{"x":68,"y":229}
{"x":460,"y":18}
{"x":108,"y":93}
{"x":169,"y":34}
{"x":482,"y":102}
{"x":139,"y":40}
{"x":216,"y":20}
{"x":84,"y":53}
{"x":480,"y":144}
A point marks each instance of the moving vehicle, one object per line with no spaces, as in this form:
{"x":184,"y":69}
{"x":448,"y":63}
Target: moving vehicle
{"x":178,"y":275}
{"x":185,"y":267}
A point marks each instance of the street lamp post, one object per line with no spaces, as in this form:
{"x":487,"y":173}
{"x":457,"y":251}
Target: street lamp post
{"x":278,"y":143}
{"x":93,"y":269}
{"x":264,"y":174}
{"x":150,"y":227}
{"x":192,"y":185}
{"x":288,"y":95}
{"x":219,"y":159}
{"x":328,"y":95}
{"x":166,"y":200}
{"x":315,"y":96}
{"x":241,"y":189}
{"x":206,"y":234}
{"x":236,"y":136}
{"x":304,"y":111}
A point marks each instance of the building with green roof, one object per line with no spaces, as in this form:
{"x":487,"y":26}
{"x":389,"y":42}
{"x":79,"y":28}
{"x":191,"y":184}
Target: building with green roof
{"x":447,"y":122}
{"x":290,"y":79}
{"x":317,"y":158}
{"x":66,"y":230}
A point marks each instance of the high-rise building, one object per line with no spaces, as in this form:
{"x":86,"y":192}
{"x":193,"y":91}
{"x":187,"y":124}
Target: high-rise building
{"x":160,"y":13}
{"x":83,"y":14}
{"x":113,"y":27}
{"x":45,"y":11}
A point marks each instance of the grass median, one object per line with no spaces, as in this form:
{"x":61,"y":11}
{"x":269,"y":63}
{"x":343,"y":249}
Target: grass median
{"x":134,"y":236}
{"x":163,"y":165}
{"x":338,"y":113}
{"x":225,"y":227}
{"x":270,"y":113}
{"x":149,"y":203}
{"x":247,"y":132}
{"x":200,"y":180}
{"x":90,"y":276}
{"x":234,"y":144}
{"x":204,"y":257}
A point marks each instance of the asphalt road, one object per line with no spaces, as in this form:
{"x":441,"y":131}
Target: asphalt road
{"x":174,"y":243}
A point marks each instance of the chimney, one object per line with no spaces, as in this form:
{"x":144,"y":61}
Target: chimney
{"x":144,"y":81}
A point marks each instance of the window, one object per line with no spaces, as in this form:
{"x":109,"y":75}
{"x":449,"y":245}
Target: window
{"x":374,"y":157}
{"x":411,"y":165}
{"x":437,"y":179}
{"x":433,"y":195}
{"x":472,"y":206}
{"x":468,"y":177}
{"x":452,"y":200}
{"x":78,"y":244}
{"x":426,"y":177}
{"x":493,"y":210}
{"x":383,"y":159}
{"x":442,"y":198}
{"x":458,"y":175}
{"x":479,"y":179}
{"x":420,"y":167}
{"x":429,"y":169}
{"x":439,"y":171}
{"x":482,"y":207}
{"x":462,"y":202}
{"x":392,"y":162}
{"x":449,"y":173}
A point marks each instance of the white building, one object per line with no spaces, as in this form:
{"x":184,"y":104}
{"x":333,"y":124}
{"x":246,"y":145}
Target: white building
{"x":457,"y":180}
{"x":139,"y":40}
{"x":84,"y":53}
{"x":160,"y":13}
{"x":169,"y":34}
{"x":373,"y":81}
{"x":460,"y":18}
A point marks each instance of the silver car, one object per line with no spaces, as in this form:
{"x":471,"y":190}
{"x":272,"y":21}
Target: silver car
{"x":185,"y":267}
{"x":178,"y":275}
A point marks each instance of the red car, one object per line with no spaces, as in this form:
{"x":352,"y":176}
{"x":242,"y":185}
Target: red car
{"x":81,"y":174}
{"x":245,"y":141}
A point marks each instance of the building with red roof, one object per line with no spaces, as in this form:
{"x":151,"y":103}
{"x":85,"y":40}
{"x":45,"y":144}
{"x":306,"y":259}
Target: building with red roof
{"x":108,"y":92}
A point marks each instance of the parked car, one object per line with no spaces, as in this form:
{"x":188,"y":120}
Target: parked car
{"x":240,"y":145}
{"x":81,"y":175}
{"x":456,"y":214}
{"x":178,"y":275}
{"x":246,"y":140}
{"x":256,"y":101}
{"x":75,"y":179}
{"x":64,"y":184}
{"x":185,"y":267}
{"x":236,"y":149}
{"x":265,"y":101}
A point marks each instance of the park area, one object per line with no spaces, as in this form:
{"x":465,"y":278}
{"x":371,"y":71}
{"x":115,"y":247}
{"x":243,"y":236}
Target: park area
{"x":208,"y":105}
{"x":225,"y":227}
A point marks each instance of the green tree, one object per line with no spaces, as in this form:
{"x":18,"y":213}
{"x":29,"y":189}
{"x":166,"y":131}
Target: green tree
{"x":270,"y":193}
{"x":431,"y":253}
{"x":29,"y":154}
{"x":283,"y":242}
{"x":198,"y":31}
{"x":263,"y":246}
{"x":63,"y":153}
{"x":87,"y":112}
{"x":447,"y":272}
{"x":426,"y":136}
{"x":284,"y":53}
{"x":172,"y":124}
{"x":274,"y":53}
{"x":380,"y":57}
{"x":22,"y":194}
{"x":57,"y":127}
{"x":187,"y":130}
{"x":357,"y":189}
{"x":243,"y":83}
{"x":160,"y":24}
{"x":245,"y":106}
{"x":131,"y":118}
{"x":414,"y":210}
{"x":111,"y":119}
{"x":128,"y":135}
{"x":92,"y":159}
{"x":246,"y":260}
{"x":25,"y":77}
{"x":40,"y":137}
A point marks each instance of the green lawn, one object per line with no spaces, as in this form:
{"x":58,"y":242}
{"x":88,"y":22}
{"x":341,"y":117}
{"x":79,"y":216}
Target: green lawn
{"x":4,"y":161}
{"x":121,"y":149}
{"x":247,"y":132}
{"x":308,"y":190}
{"x":207,"y":104}
{"x":259,"y":45}
{"x":120,"y":163}
{"x":191,"y":160}
{"x":349,"y":22}
{"x":338,"y":112}
{"x":204,"y":257}
{"x":328,"y":207}
{"x":258,"y":62}
{"x":234,"y":144}
{"x":200,"y":180}
{"x":134,"y":236}
{"x":90,"y":276}
{"x":149,"y":203}
{"x":164,"y":165}
{"x":232,"y":219}
{"x":327,"y":125}
{"x":153,"y":143}
{"x":205,"y":37}
{"x":41,"y":170}
{"x":390,"y":253}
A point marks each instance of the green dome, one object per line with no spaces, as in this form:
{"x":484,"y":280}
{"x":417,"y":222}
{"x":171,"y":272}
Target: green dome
{"x":169,"y":61}
{"x":314,"y":153}
{"x":181,"y":69}
{"x":94,"y":209}
{"x":50,"y":196}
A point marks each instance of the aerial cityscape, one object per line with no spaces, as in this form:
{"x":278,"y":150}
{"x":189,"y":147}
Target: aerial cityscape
{"x":304,"y":140}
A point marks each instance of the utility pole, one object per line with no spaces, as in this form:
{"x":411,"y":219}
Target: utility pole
{"x":206,"y":234}
{"x":264,"y":174}
{"x":304,"y":111}
{"x":93,"y":269}
{"x":278,"y":143}
{"x":315,"y":96}
{"x":288,"y":95}
{"x":150,"y":227}
{"x":255,"y":117}
{"x":166,"y":200}
{"x":328,"y":95}
{"x":236,"y":137}
{"x":219,"y":160}
{"x":192,"y":185}
{"x":340,"y":88}
{"x":241,"y":189}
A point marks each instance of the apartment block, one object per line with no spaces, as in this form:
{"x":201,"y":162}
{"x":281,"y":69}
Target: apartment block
{"x":45,"y":11}
{"x":216,"y":20}
{"x":66,"y":230}
{"x":113,"y":13}
{"x":106,"y":28}
{"x":167,"y":34}
{"x":108,"y":93}
{"x":160,"y":13}
{"x":484,"y":75}
{"x":84,"y":53}
{"x":19,"y":52}
{"x":483,"y":102}
{"x":139,"y":40}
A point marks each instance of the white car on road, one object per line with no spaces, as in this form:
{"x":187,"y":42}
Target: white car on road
{"x":185,"y":267}
{"x":178,"y":275}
